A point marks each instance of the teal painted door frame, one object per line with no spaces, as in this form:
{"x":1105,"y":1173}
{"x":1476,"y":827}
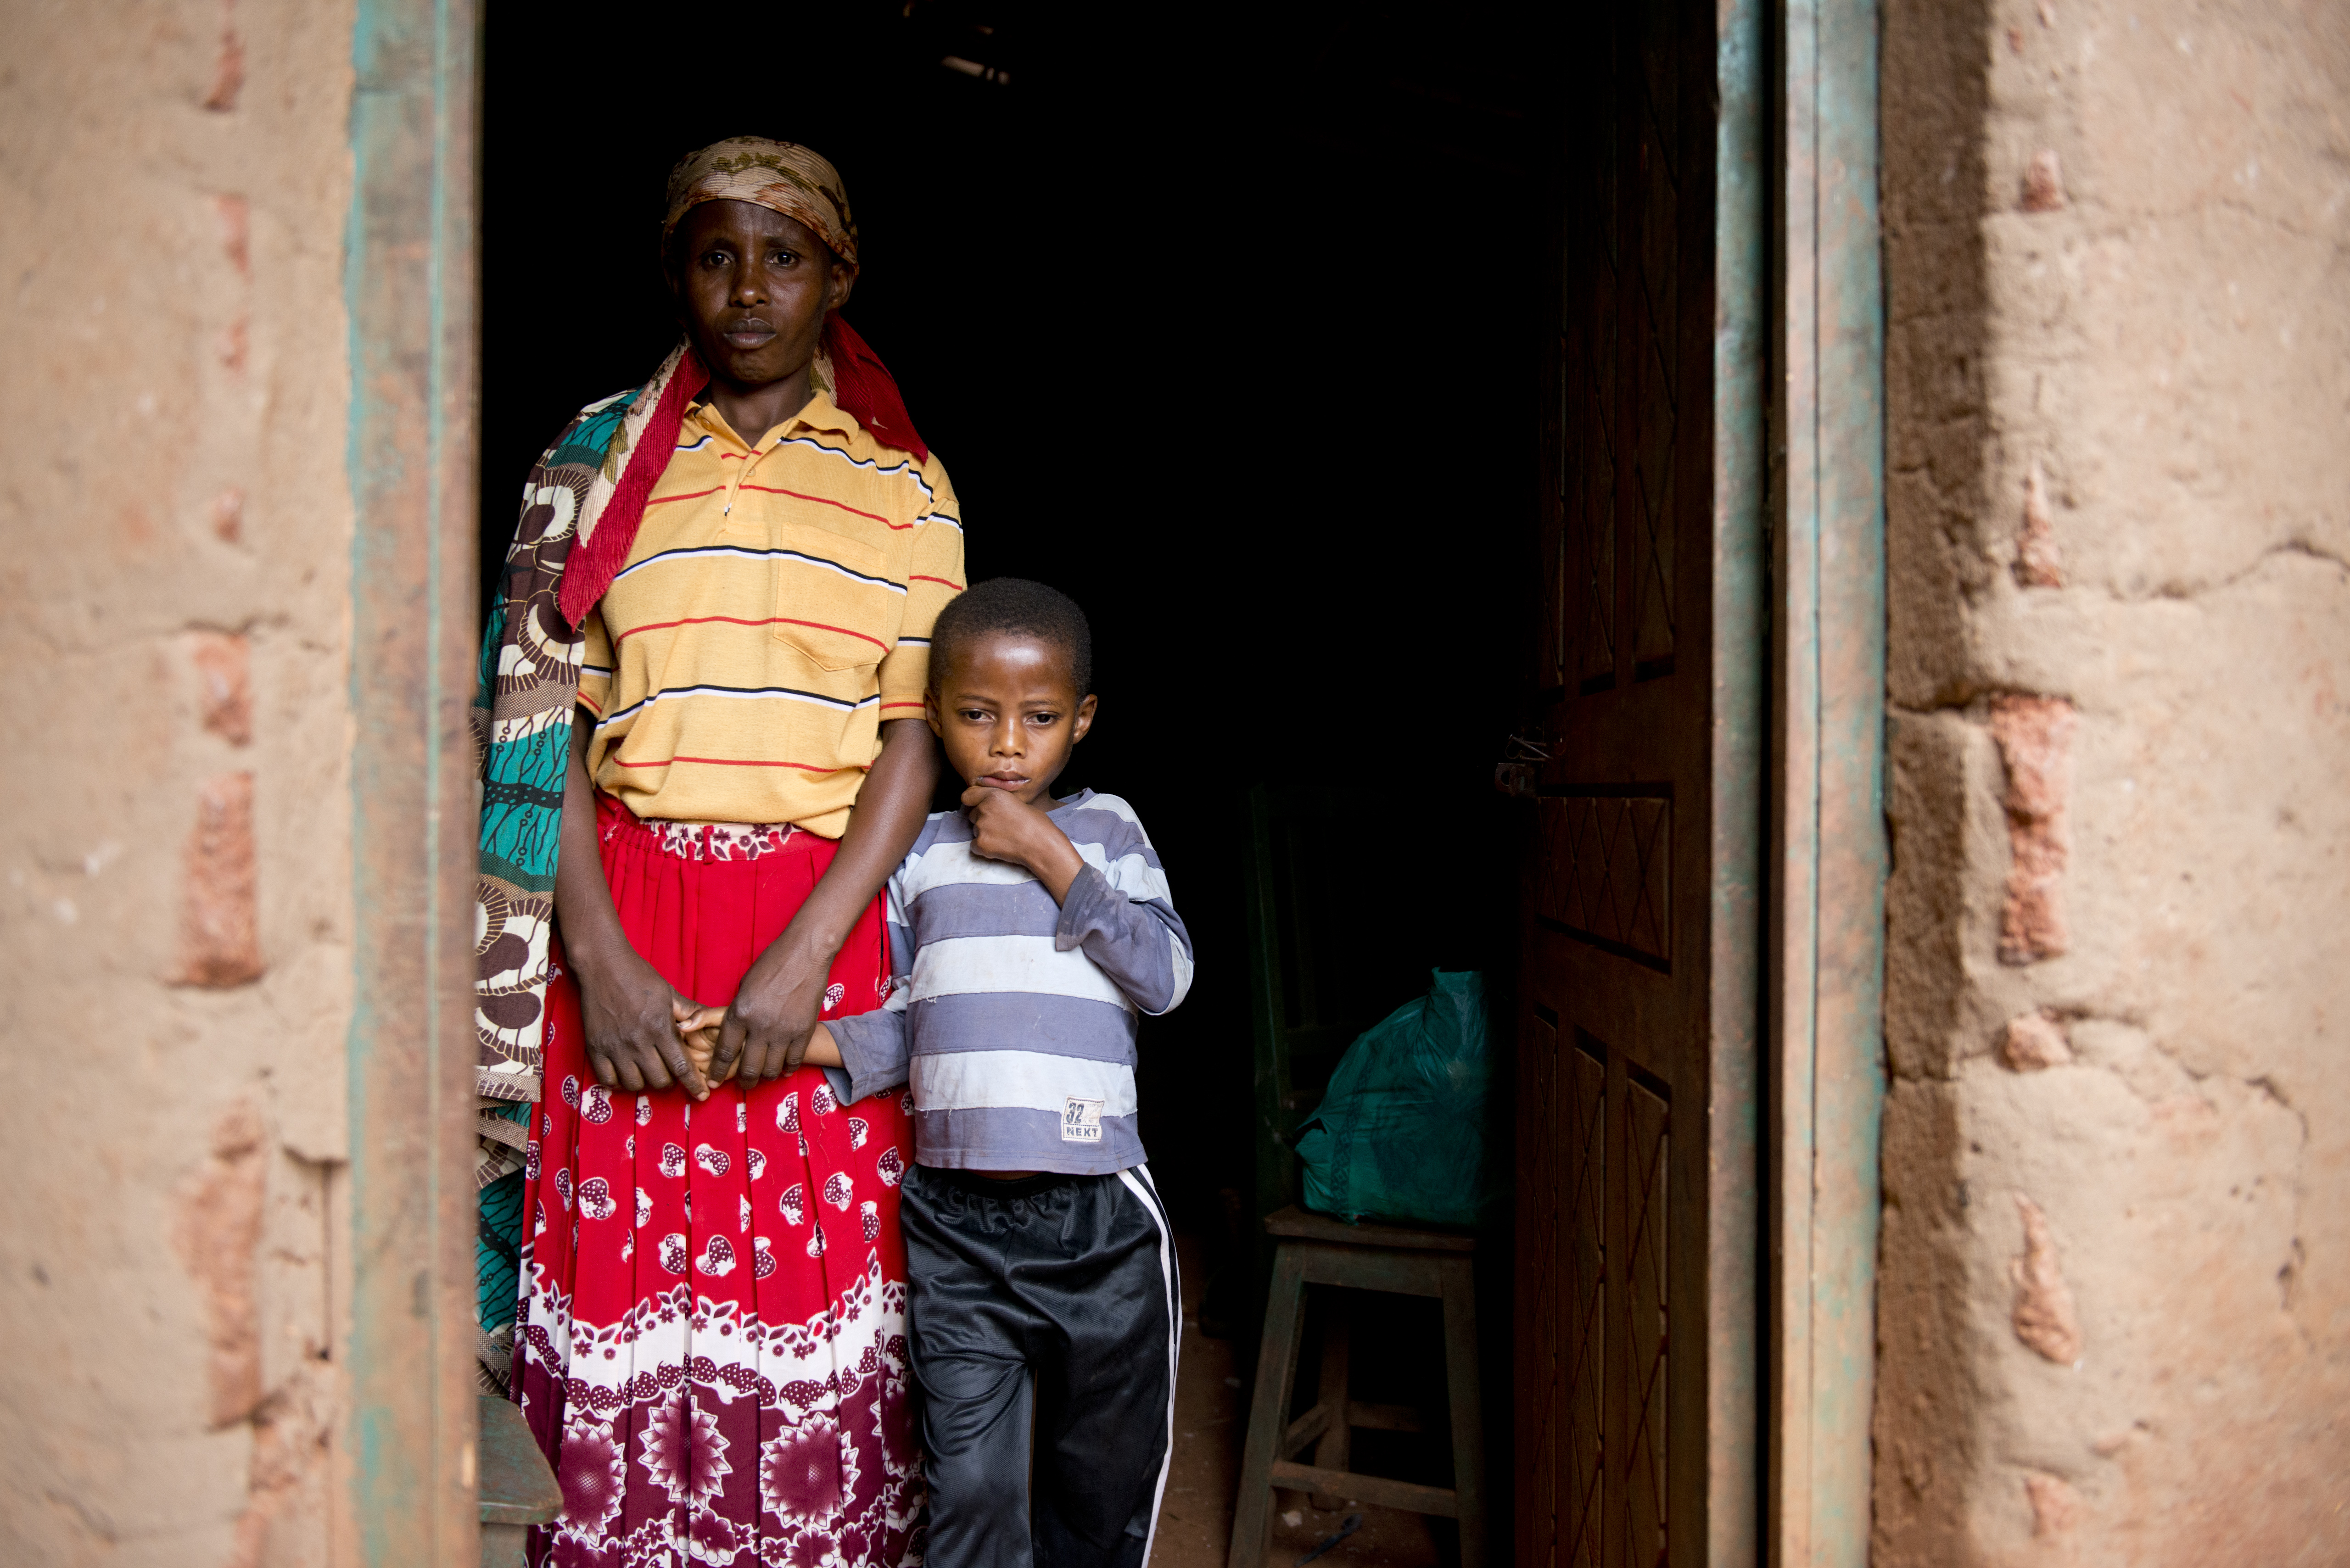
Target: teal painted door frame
{"x":409,"y":284}
{"x":1828,"y":857}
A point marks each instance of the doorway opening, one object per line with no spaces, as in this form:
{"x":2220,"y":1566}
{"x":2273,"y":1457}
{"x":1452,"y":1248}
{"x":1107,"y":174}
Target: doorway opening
{"x":1232,"y":326}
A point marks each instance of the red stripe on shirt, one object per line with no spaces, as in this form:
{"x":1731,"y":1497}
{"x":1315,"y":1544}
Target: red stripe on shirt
{"x":917,"y":577}
{"x":901,"y":704}
{"x":689,"y":495}
{"x":734,"y":620}
{"x":827,"y":501}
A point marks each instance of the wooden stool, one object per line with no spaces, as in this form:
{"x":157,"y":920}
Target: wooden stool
{"x":1314,"y":1250}
{"x":517,"y":1489}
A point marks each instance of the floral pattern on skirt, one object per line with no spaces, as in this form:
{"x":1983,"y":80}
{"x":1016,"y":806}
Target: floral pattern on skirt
{"x":713,"y":1346}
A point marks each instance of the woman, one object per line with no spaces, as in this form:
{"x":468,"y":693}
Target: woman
{"x":731,"y":574}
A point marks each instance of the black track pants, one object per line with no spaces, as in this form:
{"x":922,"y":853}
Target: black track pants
{"x":1044,"y":1316}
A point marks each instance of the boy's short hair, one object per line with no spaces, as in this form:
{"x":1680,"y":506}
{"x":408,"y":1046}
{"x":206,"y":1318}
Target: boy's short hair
{"x":1018,"y":606}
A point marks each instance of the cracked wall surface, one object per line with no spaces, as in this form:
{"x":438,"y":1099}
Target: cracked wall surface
{"x":176,"y":903}
{"x":2113,"y":1311}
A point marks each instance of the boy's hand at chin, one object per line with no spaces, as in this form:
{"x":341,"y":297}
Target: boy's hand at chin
{"x":1003,"y":827}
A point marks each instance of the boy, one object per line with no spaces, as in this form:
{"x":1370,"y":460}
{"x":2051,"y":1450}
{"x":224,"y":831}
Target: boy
{"x":1026,"y":934}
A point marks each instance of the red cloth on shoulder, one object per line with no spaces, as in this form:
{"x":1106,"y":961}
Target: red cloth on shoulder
{"x":863,"y":389}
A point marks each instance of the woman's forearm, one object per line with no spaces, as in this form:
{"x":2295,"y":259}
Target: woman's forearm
{"x":627,"y":1012}
{"x":583,"y":899}
{"x":890,"y":808}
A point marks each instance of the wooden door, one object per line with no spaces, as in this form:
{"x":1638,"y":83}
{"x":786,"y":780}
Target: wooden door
{"x":1637,"y":1211}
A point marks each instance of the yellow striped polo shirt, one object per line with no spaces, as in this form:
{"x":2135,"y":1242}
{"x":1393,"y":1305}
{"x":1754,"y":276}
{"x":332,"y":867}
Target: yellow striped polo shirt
{"x":774,"y":611}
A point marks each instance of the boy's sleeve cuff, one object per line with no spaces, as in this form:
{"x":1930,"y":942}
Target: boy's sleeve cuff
{"x":1090,"y":896}
{"x":872,"y":1051}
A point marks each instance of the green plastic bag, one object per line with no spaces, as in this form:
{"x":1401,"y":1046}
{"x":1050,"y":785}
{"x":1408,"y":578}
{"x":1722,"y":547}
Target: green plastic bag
{"x":1402,"y":1132}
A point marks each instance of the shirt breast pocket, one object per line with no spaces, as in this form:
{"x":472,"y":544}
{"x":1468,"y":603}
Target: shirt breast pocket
{"x":837,"y":600}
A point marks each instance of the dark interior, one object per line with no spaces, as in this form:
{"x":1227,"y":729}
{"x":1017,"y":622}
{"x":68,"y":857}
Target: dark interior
{"x":1224,"y":321}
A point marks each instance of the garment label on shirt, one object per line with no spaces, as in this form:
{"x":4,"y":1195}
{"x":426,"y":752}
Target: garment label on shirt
{"x":1081,"y":1121}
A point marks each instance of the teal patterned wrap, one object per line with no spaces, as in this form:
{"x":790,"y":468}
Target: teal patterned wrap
{"x":527,"y":683}
{"x":525,"y":689}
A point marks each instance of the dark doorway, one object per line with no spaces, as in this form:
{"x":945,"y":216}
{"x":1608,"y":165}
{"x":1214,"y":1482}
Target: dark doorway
{"x":1225,"y":320}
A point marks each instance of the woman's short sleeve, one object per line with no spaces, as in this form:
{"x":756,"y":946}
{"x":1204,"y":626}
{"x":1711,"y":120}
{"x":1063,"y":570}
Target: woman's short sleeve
{"x":595,"y":664}
{"x":937,"y":575}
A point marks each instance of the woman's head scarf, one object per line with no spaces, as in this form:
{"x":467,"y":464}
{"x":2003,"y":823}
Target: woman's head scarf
{"x":580,"y":510}
{"x":782,"y":176}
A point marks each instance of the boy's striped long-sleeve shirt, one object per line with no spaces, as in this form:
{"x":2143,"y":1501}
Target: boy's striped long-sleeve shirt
{"x":1012,"y":1019}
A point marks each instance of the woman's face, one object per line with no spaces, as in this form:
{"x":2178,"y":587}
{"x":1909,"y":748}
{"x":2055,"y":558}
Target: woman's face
{"x":753,"y":286}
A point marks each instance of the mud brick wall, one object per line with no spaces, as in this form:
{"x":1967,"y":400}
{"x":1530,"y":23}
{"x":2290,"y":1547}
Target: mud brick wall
{"x":2114,"y":1310}
{"x":175,"y":855}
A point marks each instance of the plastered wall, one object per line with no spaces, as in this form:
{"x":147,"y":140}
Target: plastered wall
{"x":176,"y":853}
{"x":2114,"y":1310}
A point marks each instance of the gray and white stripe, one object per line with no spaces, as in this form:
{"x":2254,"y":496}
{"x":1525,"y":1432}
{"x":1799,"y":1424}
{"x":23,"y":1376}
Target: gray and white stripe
{"x":1013,"y":1018}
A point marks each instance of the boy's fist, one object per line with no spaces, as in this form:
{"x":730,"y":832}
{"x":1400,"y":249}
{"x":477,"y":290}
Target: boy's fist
{"x":698,"y":1028}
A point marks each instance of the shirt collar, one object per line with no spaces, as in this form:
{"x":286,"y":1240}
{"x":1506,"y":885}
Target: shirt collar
{"x":820,"y":414}
{"x":823,"y":414}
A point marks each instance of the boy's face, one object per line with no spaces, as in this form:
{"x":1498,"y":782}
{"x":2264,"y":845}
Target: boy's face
{"x":1006,"y":710}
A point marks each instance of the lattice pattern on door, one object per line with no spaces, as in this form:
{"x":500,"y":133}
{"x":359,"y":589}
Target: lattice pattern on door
{"x":1645,"y":1340}
{"x":1562,"y":1206}
{"x":1582,"y":1129}
{"x":1542,"y":1233}
{"x":1591,"y":1492}
{"x":1653,"y":349}
{"x":1619,"y":419}
{"x":1606,"y":871}
{"x":1587,"y":433}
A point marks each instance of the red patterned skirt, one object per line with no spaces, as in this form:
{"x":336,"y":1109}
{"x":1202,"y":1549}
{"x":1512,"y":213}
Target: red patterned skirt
{"x":713,"y":1339}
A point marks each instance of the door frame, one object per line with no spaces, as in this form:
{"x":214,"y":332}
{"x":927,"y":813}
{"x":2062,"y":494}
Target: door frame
{"x":1829,"y":855}
{"x":1739,"y":734}
{"x":406,"y":1480}
{"x":1799,"y":437}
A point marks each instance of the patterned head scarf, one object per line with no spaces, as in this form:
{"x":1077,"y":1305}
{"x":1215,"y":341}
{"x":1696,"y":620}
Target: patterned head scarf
{"x":780,"y":175}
